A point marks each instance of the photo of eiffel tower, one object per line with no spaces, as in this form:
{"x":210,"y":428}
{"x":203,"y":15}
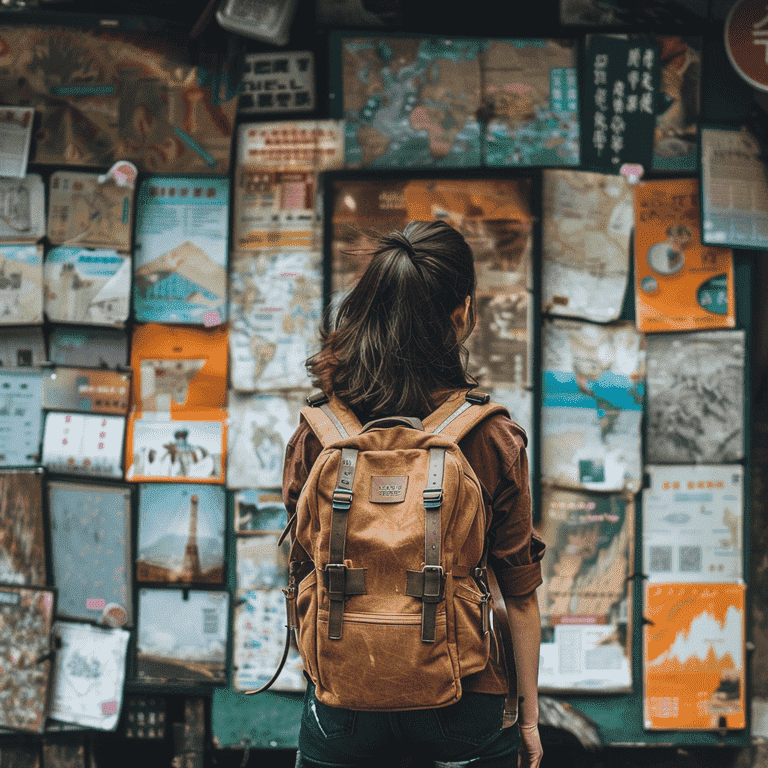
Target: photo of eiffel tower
{"x":191,"y":566}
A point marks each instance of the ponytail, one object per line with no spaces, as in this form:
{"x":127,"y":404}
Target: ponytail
{"x":393,"y":344}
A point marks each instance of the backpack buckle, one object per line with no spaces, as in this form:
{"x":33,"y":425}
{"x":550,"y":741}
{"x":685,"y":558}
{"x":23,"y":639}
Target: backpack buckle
{"x":433,"y":583}
{"x":433,"y":497}
{"x":342,"y":499}
{"x":336,"y":579}
{"x":477,"y":398}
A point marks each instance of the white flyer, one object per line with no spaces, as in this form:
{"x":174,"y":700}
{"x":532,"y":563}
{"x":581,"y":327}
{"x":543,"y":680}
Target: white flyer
{"x":15,"y":139}
{"x":89,"y":675}
{"x":22,"y":209}
{"x":692,"y":523}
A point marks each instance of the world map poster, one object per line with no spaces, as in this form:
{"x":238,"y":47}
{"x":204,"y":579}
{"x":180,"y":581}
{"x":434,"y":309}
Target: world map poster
{"x":693,"y":652}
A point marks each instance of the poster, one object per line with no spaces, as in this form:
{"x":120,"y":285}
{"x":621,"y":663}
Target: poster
{"x":734,"y":189}
{"x":178,"y":450}
{"x":26,"y":620}
{"x":15,"y":139}
{"x":621,"y":86}
{"x":530,"y":92}
{"x":89,"y":675}
{"x":261,"y":563}
{"x":693,"y":653}
{"x":92,"y":549}
{"x":87,"y":286}
{"x":275,"y":306}
{"x":276,"y":82}
{"x":587,"y":222}
{"x":22,"y":547}
{"x":90,"y":347}
{"x":451,"y":103}
{"x":258,"y":511}
{"x":693,"y":523}
{"x":592,"y":398}
{"x":88,"y":210}
{"x":84,"y":444}
{"x":259,"y":641}
{"x":191,"y":649}
{"x":678,"y":107}
{"x":180,"y":258}
{"x":586,"y":597}
{"x":696,"y":397}
{"x":181,"y":533}
{"x":680,"y":284}
{"x":21,"y":284}
{"x":22,"y":209}
{"x":260,"y":427}
{"x":22,"y":347}
{"x":21,"y":417}
{"x":102,"y":96}
{"x":84,"y":389}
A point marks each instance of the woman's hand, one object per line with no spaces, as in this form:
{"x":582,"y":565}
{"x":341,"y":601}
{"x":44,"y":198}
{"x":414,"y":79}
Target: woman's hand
{"x":530,"y":752}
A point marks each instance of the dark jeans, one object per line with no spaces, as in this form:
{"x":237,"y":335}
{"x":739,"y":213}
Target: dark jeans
{"x":466,"y":733}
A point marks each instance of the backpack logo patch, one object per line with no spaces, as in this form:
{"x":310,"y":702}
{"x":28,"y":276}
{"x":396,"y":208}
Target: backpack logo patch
{"x":388,"y":490}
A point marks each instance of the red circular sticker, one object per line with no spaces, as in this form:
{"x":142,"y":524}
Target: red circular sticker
{"x":746,"y":41}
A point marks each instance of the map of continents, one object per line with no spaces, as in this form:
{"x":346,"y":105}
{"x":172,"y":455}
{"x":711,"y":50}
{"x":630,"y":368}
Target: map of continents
{"x":411,"y":102}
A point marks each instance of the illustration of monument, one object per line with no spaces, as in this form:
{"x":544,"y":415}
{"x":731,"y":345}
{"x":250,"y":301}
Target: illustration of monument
{"x":191,"y":566}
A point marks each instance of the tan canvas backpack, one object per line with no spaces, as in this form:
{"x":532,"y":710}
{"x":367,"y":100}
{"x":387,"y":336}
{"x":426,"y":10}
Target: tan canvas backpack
{"x":388,"y":591}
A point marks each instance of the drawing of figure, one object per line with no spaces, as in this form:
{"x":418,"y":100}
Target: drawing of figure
{"x":668,"y":257}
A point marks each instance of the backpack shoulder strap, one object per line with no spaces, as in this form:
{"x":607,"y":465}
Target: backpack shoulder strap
{"x":460,"y":413}
{"x":330,"y":419}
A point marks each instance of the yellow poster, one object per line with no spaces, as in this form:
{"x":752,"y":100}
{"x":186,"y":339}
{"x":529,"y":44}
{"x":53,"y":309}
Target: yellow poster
{"x":693,"y":653}
{"x":680,"y":284}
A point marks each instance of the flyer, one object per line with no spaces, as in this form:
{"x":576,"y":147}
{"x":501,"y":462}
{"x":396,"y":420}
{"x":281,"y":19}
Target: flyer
{"x":734,"y":189}
{"x":87,"y":286}
{"x":277,"y":82}
{"x":22,"y":347}
{"x":260,"y":562}
{"x":696,"y":397}
{"x":89,"y":675}
{"x":87,"y":390}
{"x":84,"y":444}
{"x":592,"y":398}
{"x":15,"y":139}
{"x":22,"y":548}
{"x":181,"y":533}
{"x":259,"y":641}
{"x":693,"y":523}
{"x":21,"y":284}
{"x":586,"y":597}
{"x":177,"y":426}
{"x":193,"y":648}
{"x":259,"y":511}
{"x":90,"y":210}
{"x":180,"y":257}
{"x":693,"y":654}
{"x":587,"y":221}
{"x":275,"y":306}
{"x":680,"y":284}
{"x":260,"y":427}
{"x":105,"y":95}
{"x":93,"y":347}
{"x":92,"y":551}
{"x":26,"y":620}
{"x":22,"y":209}
{"x":21,"y":422}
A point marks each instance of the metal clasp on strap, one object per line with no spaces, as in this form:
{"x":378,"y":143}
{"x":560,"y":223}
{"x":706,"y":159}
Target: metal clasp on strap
{"x":433,"y":584}
{"x":433,"y":497}
{"x":342,"y":499}
{"x":336,"y":580}
{"x":477,"y":398}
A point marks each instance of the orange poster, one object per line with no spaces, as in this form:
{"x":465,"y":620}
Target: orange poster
{"x":680,"y":284}
{"x":693,"y":654}
{"x":177,"y":429}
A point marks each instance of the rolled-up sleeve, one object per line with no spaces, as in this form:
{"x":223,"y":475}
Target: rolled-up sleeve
{"x":496,"y":449}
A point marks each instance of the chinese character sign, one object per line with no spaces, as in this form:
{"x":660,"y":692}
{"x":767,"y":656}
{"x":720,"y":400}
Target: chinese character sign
{"x":746,"y":41}
{"x":621,"y":80}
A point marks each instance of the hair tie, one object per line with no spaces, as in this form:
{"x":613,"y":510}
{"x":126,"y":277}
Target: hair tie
{"x":405,"y":244}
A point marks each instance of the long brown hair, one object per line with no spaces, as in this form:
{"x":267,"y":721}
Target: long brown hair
{"x":392,"y":344}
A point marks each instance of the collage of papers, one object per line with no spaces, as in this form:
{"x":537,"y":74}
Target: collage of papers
{"x":157,"y":307}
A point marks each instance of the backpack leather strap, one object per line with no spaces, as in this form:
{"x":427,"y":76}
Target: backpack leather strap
{"x":340,"y":580}
{"x":330,"y":419}
{"x":502,"y":619}
{"x":428,"y":584}
{"x":460,"y":413}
